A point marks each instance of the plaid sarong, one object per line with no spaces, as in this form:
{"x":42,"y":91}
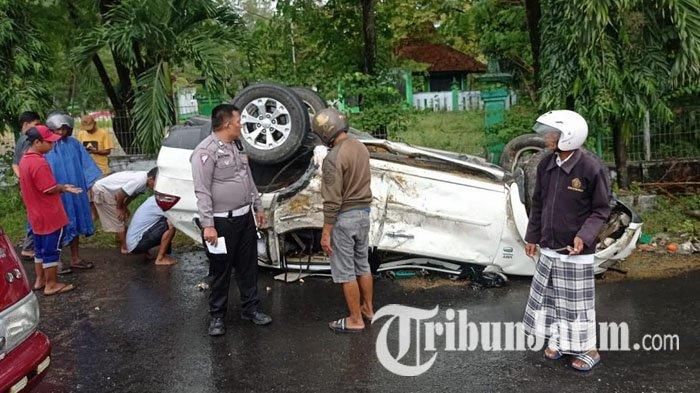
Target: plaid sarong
{"x":561,"y":305}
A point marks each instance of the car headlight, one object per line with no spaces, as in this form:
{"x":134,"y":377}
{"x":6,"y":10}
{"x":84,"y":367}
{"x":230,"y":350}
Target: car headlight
{"x":17,"y":323}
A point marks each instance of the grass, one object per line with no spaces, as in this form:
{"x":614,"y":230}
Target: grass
{"x":670,"y":216}
{"x":461,"y":132}
{"x":13,"y":219}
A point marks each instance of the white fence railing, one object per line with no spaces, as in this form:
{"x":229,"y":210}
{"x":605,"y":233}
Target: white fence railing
{"x":466,"y":100}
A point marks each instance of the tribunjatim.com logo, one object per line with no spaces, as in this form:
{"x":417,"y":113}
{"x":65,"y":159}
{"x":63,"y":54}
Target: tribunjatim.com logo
{"x":420,"y":329}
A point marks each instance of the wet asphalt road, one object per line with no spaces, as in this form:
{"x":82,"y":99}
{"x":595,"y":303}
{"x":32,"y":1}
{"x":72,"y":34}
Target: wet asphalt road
{"x":134,"y":327}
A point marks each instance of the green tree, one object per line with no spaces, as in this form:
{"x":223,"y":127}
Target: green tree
{"x":501,"y":27}
{"x":25,"y":62}
{"x":614,"y":60}
{"x":146,"y":41}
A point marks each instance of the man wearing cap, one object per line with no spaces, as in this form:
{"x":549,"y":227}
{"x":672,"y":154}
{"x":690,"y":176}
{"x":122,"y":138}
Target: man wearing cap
{"x":227,"y":201}
{"x":97,"y":142}
{"x":27,"y":120}
{"x":45,"y":212}
{"x":346,"y":206}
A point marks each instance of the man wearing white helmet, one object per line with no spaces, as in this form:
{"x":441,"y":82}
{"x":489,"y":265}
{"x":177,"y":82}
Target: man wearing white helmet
{"x":71,"y":163}
{"x":570,"y":205}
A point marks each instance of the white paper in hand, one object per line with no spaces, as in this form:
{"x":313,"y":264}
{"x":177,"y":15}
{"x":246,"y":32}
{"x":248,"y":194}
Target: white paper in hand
{"x":220,"y":247}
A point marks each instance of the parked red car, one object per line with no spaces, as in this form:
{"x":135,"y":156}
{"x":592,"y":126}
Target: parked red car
{"x":24,"y":351}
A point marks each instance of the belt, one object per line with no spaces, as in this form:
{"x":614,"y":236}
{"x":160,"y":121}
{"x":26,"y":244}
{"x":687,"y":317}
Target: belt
{"x":234,"y":213}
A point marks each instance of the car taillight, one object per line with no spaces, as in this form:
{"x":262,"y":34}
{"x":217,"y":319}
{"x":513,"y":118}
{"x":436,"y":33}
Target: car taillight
{"x":166,"y":201}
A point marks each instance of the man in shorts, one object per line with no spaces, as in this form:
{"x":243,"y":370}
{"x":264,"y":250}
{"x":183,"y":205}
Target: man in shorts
{"x":346,"y":206}
{"x":112,"y":195}
{"x":45,"y":213}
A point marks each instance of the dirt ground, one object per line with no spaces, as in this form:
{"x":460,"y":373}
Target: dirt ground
{"x":652,"y":265}
{"x":638,"y":266}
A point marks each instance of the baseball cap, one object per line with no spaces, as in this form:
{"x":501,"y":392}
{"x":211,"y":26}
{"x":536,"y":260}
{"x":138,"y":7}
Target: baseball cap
{"x":41,"y":133}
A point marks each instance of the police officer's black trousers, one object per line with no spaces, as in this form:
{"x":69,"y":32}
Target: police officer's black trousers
{"x":242,"y":258}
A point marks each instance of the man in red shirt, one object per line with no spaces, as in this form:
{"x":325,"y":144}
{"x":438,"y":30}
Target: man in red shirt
{"x":45,"y":212}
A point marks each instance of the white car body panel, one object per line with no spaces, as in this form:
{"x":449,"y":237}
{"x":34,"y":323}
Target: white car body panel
{"x":454,"y":216}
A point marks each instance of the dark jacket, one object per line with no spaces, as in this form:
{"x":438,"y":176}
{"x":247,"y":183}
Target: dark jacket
{"x":569,"y":201}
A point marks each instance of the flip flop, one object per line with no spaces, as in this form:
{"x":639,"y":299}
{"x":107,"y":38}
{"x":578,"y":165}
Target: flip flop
{"x":339,"y":327}
{"x":588,"y":361}
{"x":65,"y":288}
{"x":38,"y":289}
{"x":82,"y":264}
{"x":65,"y":270}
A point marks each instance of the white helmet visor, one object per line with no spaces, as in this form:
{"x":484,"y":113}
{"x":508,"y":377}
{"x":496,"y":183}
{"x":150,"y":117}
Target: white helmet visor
{"x":542,"y":128}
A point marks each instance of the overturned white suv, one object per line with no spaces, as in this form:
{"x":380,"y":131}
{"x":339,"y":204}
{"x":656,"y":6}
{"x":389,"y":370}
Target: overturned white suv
{"x":431,"y":210}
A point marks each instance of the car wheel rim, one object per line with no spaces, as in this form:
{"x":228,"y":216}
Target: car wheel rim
{"x":265,"y":123}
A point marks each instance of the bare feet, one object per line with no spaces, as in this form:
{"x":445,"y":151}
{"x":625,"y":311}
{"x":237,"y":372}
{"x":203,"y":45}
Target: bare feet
{"x":354,"y":324}
{"x":39,"y":284}
{"x":367,"y":312}
{"x":58,"y":288}
{"x":166,"y":261}
{"x":124,"y":251}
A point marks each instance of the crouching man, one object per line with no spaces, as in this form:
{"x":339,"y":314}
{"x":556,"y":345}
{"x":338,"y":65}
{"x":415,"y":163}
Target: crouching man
{"x":570,"y":204}
{"x":112,"y":195}
{"x":149,"y":229}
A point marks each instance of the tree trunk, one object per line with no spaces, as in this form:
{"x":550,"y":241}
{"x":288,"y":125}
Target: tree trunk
{"x":369,"y":36}
{"x":534,"y":13}
{"x":620,"y":150}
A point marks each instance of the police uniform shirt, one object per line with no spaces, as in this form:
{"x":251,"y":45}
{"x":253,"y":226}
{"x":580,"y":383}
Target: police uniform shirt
{"x":222,"y":179}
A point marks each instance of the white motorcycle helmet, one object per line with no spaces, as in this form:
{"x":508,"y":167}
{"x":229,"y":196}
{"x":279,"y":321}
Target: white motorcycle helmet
{"x":572,"y":128}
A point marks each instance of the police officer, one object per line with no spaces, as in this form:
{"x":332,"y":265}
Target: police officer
{"x":226,"y":198}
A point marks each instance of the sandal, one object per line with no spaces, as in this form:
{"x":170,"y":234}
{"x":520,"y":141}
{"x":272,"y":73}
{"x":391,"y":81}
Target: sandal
{"x":339,"y":327}
{"x":65,"y":288}
{"x":65,"y":270}
{"x":82,"y":264}
{"x":557,"y":353}
{"x":588,"y":361}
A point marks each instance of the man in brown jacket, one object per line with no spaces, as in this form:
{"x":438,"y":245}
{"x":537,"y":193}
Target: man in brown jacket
{"x":346,"y":206}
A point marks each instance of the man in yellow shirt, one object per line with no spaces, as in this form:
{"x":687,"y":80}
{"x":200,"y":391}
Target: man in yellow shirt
{"x":97,"y":142}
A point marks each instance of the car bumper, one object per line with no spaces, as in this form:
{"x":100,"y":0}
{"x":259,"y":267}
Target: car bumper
{"x":25,"y":366}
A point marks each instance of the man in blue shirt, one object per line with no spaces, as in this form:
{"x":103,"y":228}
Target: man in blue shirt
{"x":148,"y":229}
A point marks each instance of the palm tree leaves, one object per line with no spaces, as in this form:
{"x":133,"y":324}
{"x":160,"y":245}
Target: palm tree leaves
{"x":150,"y":37}
{"x":153,"y":107}
{"x":618,"y":58}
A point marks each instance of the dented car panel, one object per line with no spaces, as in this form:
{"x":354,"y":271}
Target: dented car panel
{"x":428,"y":207}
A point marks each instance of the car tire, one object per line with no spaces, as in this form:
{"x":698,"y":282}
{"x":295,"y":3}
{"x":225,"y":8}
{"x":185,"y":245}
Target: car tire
{"x":517,"y":150}
{"x":530,"y":170}
{"x":313,"y":103}
{"x":312,"y":100}
{"x":274,"y":122}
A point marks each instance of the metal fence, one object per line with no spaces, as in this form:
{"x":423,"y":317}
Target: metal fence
{"x":654,"y":140}
{"x":657,"y":141}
